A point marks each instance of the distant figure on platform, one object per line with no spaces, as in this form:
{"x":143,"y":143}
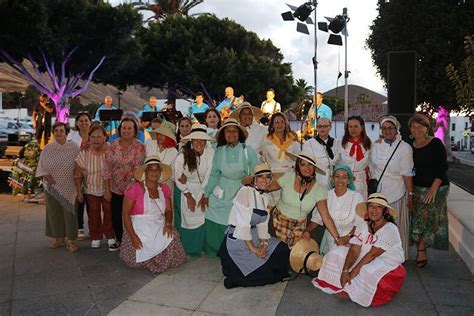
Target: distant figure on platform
{"x":270,"y":106}
{"x":151,"y":106}
{"x":229,"y":104}
{"x":42,"y":118}
{"x":110,"y":126}
{"x":321,"y":110}
{"x":197,"y":107}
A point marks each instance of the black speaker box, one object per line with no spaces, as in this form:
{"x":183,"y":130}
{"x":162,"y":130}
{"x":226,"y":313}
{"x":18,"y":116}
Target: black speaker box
{"x":402,"y":87}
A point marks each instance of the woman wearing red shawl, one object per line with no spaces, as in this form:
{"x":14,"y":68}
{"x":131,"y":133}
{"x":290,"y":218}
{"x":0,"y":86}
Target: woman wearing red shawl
{"x":354,"y":151}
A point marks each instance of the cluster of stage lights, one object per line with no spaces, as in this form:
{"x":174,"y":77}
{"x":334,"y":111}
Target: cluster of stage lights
{"x":335,"y":25}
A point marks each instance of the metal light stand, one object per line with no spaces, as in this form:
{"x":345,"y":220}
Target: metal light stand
{"x":346,"y":72}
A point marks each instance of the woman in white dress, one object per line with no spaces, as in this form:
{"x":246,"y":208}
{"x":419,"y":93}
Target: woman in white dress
{"x":396,"y":182}
{"x":325,"y":150}
{"x":342,"y":202}
{"x":150,"y":241}
{"x":192,"y":169}
{"x":279,"y":141}
{"x":354,"y":151}
{"x":370,"y":271}
{"x":164,"y":148}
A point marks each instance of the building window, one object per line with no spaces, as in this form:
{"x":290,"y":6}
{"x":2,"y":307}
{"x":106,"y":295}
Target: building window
{"x":453,"y":127}
{"x":465,"y":125}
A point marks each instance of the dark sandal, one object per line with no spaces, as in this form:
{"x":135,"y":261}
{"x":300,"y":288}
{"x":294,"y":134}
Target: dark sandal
{"x":421,"y":263}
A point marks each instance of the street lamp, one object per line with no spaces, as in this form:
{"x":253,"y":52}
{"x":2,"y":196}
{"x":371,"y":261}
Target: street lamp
{"x":338,"y":25}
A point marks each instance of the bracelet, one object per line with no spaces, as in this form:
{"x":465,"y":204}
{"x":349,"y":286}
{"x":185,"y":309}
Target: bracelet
{"x":337,"y":238}
{"x":346,"y":271}
{"x":411,"y":193}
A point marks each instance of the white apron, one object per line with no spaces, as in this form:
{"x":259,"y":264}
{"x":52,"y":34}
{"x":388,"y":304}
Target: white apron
{"x":192,"y":220}
{"x":149,"y":227}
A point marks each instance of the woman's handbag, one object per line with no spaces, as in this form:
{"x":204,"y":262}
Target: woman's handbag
{"x":373,"y":184}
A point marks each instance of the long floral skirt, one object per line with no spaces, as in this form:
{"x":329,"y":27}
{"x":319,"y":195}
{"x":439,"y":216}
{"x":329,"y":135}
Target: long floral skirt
{"x":430,"y":221}
{"x":172,"y":257}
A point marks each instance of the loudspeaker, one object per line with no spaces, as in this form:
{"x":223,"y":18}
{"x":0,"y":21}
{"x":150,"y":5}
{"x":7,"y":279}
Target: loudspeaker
{"x":402,"y":87}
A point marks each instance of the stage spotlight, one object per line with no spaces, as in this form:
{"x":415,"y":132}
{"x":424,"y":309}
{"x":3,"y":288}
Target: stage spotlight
{"x":303,"y":11}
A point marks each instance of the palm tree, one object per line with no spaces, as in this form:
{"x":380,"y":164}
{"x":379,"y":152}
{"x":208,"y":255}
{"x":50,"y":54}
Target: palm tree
{"x":163,"y":8}
{"x":303,"y":84}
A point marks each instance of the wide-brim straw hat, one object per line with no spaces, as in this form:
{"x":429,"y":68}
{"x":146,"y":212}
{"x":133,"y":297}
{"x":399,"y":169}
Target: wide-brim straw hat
{"x":305,"y":250}
{"x":379,"y":198}
{"x":259,"y":170}
{"x":150,"y":160}
{"x":232,"y":122}
{"x":306,"y":156}
{"x":198,"y":131}
{"x":257,"y":113}
{"x":163,"y":131}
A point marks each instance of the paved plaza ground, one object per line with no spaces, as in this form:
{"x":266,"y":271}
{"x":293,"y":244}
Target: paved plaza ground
{"x":36,"y":280}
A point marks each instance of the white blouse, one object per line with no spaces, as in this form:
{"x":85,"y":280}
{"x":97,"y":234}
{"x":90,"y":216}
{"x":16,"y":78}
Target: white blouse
{"x":257,"y":134}
{"x":196,"y":181}
{"x":357,"y":167}
{"x":284,"y":163}
{"x":401,"y":164}
{"x":242,"y":210}
{"x":322,"y":160}
{"x":342,"y":211}
{"x":386,"y":238}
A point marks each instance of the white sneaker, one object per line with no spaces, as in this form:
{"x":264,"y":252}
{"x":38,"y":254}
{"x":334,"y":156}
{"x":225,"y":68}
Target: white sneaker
{"x":95,"y":244}
{"x":110,"y":242}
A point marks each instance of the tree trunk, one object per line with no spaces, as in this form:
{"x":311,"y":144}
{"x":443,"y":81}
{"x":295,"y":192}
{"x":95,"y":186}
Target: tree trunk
{"x":441,"y":130}
{"x":62,"y":110}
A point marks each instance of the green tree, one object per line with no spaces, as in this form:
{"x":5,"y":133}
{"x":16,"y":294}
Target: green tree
{"x":435,"y":30}
{"x":462,"y":77}
{"x":91,"y":29}
{"x":193,"y":53}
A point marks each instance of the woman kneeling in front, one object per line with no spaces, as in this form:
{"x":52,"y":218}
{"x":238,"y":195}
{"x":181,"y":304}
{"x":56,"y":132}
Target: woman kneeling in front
{"x":150,"y":240}
{"x":370,"y":271}
{"x":249,"y":256}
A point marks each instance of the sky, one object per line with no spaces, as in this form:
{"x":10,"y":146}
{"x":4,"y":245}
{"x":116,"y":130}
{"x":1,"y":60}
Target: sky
{"x":264,"y":18}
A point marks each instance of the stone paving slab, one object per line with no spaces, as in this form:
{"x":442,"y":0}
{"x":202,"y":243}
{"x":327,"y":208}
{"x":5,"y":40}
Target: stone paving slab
{"x":196,"y":288}
{"x":36,"y":280}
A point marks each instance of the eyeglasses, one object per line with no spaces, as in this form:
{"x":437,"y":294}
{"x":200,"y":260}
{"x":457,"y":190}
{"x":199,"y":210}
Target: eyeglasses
{"x":322,"y":126}
{"x":389,"y":128}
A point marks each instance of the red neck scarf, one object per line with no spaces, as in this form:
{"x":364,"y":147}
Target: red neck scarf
{"x":356,"y":149}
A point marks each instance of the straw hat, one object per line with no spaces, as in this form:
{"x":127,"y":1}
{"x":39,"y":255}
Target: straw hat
{"x":164,"y":131}
{"x":150,"y":160}
{"x":306,"y":156}
{"x":198,"y":131}
{"x":258,"y":170}
{"x":305,"y":250}
{"x":232,"y":122}
{"x":378,"y":198}
{"x":257,"y":113}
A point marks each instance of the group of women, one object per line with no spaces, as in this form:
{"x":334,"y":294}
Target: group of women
{"x":194,"y":189}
